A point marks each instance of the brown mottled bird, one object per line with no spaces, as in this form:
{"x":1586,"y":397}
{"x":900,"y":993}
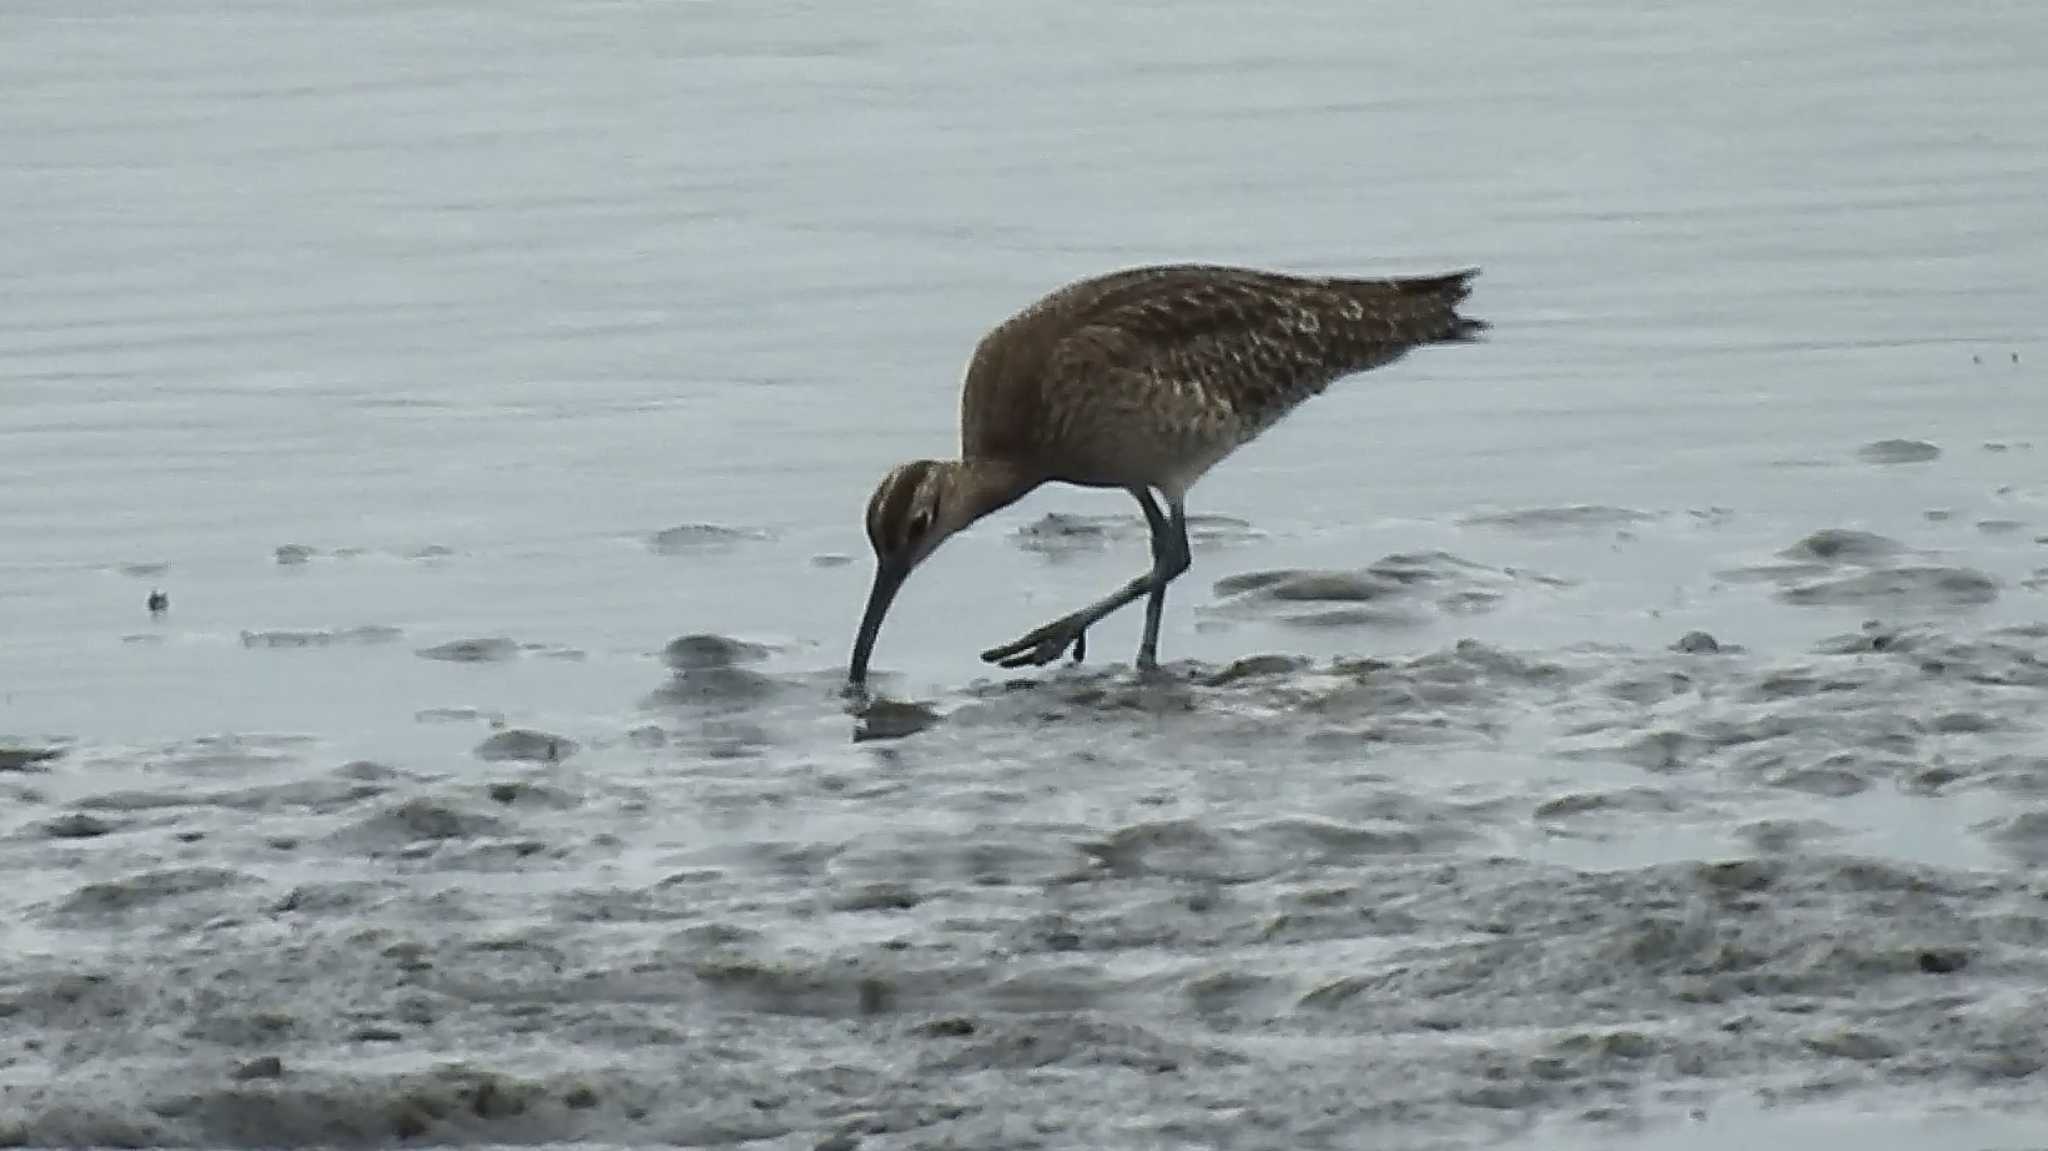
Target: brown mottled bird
{"x":1139,"y":379}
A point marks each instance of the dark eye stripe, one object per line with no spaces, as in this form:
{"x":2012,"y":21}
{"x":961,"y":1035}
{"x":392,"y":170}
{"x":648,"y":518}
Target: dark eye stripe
{"x":895,"y":510}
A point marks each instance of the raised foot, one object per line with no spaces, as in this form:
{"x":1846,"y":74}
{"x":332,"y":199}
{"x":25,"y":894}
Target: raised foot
{"x":1042,"y":645}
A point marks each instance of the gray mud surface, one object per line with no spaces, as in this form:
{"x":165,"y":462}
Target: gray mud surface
{"x":1246,"y":876}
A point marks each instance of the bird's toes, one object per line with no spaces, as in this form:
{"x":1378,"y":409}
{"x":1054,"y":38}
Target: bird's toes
{"x":1042,"y":646}
{"x":1003,"y":652}
{"x":1006,"y":651}
{"x":1047,"y":651}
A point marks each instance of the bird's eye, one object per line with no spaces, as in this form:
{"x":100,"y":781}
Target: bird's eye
{"x":920,"y":523}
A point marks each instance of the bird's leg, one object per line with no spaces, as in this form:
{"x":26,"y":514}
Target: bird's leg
{"x":1169,"y":559}
{"x":1167,"y":536}
{"x":1155,"y":522}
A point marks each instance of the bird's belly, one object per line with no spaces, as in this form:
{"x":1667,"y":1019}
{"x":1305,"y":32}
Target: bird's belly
{"x":1171,"y":467}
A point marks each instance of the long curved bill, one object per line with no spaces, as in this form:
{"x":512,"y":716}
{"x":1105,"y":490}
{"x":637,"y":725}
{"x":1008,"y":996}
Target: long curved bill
{"x":888,"y":580}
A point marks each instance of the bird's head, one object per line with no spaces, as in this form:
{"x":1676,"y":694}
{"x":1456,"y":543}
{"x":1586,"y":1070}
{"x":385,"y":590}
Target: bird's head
{"x":914,"y":509}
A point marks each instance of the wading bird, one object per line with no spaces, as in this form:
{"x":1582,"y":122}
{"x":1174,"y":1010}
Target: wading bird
{"x":1141,"y":379}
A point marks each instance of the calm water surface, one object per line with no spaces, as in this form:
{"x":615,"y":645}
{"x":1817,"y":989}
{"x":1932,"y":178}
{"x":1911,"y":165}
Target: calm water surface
{"x":472,"y":301}
{"x":530,"y":283}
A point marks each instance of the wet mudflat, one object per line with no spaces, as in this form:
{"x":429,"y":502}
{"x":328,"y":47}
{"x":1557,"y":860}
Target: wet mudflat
{"x":1447,"y":893}
{"x":1626,"y":732}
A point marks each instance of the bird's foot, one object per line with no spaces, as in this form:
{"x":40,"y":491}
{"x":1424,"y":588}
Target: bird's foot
{"x":1043,"y":645}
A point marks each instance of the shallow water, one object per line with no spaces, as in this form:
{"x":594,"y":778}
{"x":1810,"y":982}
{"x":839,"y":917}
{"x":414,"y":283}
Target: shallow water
{"x":443,"y":364}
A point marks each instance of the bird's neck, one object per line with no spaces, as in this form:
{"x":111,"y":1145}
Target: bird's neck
{"x":984,"y":485}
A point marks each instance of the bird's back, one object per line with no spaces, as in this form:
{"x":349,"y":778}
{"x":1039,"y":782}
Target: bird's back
{"x":1184,"y":358}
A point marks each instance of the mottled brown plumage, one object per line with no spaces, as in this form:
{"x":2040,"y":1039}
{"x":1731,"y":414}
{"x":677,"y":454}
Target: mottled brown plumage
{"x":1140,"y":379}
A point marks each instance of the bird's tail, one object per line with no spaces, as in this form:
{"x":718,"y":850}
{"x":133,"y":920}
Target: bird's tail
{"x":1447,"y":291}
